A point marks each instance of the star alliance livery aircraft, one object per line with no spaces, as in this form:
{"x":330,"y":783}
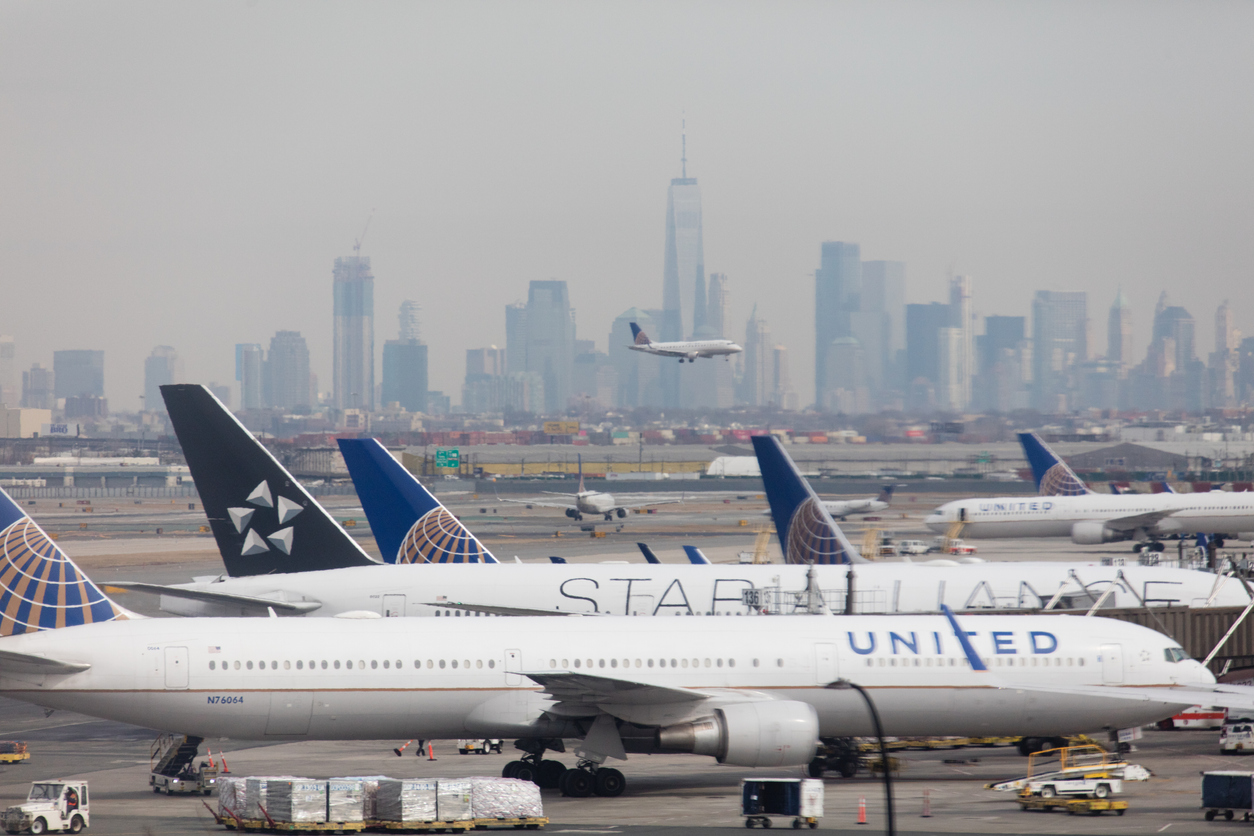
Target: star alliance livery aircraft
{"x":749,"y":693}
{"x":688,"y":350}
{"x":401,"y":514}
{"x":1067,"y":508}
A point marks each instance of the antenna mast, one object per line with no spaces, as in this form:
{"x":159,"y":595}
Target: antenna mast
{"x":683,"y":158}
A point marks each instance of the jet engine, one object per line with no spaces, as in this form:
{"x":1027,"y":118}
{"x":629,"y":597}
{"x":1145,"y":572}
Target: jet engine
{"x":1095,"y":532}
{"x":622,"y":513}
{"x":571,"y":512}
{"x":767,"y":733}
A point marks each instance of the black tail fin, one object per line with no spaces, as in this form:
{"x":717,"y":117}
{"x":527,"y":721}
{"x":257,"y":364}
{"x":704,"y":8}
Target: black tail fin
{"x":262,"y":518}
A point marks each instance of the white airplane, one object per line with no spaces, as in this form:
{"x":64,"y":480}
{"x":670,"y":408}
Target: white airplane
{"x":411,"y":526}
{"x":1067,"y":508}
{"x":688,"y":350}
{"x":842,"y":508}
{"x":749,"y":694}
{"x":591,"y":503}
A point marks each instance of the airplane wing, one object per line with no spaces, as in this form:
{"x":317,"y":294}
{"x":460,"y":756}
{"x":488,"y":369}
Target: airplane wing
{"x":26,"y":663}
{"x":1220,"y":696}
{"x":292,"y":607}
{"x":570,"y":687}
{"x":491,"y":609}
{"x":1146,"y":520}
{"x":648,"y":504}
{"x":540,"y":504}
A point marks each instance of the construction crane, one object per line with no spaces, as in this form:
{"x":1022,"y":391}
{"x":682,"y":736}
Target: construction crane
{"x":357,"y":244}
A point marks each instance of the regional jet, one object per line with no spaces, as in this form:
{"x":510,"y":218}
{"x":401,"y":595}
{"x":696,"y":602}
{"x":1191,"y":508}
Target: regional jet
{"x":749,"y":693}
{"x":1067,"y":508}
{"x":591,"y":503}
{"x":841,"y":509}
{"x":688,"y":350}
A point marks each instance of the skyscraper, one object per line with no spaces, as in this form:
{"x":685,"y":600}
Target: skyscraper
{"x":758,"y":383}
{"x":550,"y":345}
{"x":1227,"y":337}
{"x":78,"y":373}
{"x":1119,"y":333}
{"x":962,"y":317}
{"x":683,"y":265}
{"x":716,"y":305}
{"x":405,"y":374}
{"x":1175,"y":322}
{"x":884,"y":290}
{"x":410,"y":324}
{"x":38,"y":389}
{"x":923,"y":323}
{"x":837,"y":292}
{"x":287,"y":372}
{"x":516,"y":337}
{"x":784,"y":397}
{"x":353,"y":371}
{"x":1059,"y":341}
{"x":638,"y":373}
{"x":250,"y":372}
{"x":161,"y":368}
{"x":9,"y":392}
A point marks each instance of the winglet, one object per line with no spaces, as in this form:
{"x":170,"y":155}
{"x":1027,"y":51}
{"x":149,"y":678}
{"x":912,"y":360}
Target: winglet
{"x":1053,"y":477}
{"x":696,"y":556}
{"x":807,"y":532}
{"x":409,"y":524}
{"x":648,"y":553}
{"x":977,"y":664}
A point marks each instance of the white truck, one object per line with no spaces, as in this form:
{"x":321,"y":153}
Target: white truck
{"x":1084,"y":787}
{"x":51,"y":807}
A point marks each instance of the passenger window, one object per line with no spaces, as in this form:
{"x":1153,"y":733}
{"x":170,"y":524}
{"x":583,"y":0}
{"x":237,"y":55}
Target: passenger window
{"x":650,"y":663}
{"x":441,"y":664}
{"x":731,"y":663}
{"x":361,"y":666}
{"x":492,"y":663}
{"x":478,"y":663}
{"x":337,"y":664}
{"x":552,"y":663}
{"x":576,"y":663}
{"x":755,"y":663}
{"x":431,"y":664}
{"x":601,"y":662}
{"x":720,"y":663}
{"x":779,"y":663}
{"x":674,"y":664}
{"x":250,"y":665}
{"x":274,"y":665}
{"x":707,"y":662}
{"x":300,"y":665}
{"x":454,"y":664}
{"x":466,"y":664}
{"x":374,"y":664}
{"x":287,"y":665}
{"x":324,"y":664}
{"x":613,"y":663}
{"x":685,"y":662}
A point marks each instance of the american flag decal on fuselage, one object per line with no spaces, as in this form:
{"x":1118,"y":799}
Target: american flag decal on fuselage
{"x":40,"y":588}
{"x":438,"y":537}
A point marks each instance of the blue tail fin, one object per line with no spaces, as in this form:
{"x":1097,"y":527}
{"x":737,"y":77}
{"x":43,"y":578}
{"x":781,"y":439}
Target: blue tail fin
{"x":553,"y":559}
{"x":886,"y":495}
{"x":1165,"y":487}
{"x":649,"y":556}
{"x":696,"y":556}
{"x":1053,"y":477}
{"x":807,"y":533}
{"x":40,"y":587}
{"x":409,"y":524}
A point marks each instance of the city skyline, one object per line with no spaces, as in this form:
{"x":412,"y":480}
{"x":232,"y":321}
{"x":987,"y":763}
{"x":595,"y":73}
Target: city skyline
{"x":1033,"y":148}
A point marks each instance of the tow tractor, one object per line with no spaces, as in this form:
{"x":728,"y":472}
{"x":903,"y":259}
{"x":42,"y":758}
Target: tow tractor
{"x":13,"y":751}
{"x":51,"y":807}
{"x":479,"y":747}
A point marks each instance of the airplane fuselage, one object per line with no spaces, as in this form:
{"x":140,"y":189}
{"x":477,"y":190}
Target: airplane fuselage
{"x":395,"y":678}
{"x":718,"y":589}
{"x":690,"y":349}
{"x":1057,"y":516}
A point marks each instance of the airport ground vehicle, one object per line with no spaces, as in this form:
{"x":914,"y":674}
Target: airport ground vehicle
{"x":911,"y":547}
{"x":51,"y":807}
{"x":800,"y":799}
{"x":479,"y":746}
{"x":1083,"y":771}
{"x":1074,"y":806}
{"x":173,"y":770}
{"x":1226,"y":793}
{"x":1237,"y":738}
{"x":13,"y":751}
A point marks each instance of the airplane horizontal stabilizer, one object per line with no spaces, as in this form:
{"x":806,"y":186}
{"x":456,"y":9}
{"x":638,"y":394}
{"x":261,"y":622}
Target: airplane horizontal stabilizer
{"x":27,"y":663}
{"x":227,"y":598}
{"x":489,"y":609}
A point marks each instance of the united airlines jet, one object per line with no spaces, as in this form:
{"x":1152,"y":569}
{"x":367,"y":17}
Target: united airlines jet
{"x":688,"y":350}
{"x":1067,"y":508}
{"x":748,"y":693}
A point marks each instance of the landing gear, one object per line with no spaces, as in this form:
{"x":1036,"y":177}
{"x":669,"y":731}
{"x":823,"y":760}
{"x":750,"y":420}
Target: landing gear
{"x":835,"y":754}
{"x":531,"y":767}
{"x":550,"y":776}
{"x":610,"y":783}
{"x":609,"y":517}
{"x":576,"y":783}
{"x":588,"y":779}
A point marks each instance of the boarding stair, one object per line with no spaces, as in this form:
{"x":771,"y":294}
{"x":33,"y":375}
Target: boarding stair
{"x":1072,"y":763}
{"x":172,"y":754}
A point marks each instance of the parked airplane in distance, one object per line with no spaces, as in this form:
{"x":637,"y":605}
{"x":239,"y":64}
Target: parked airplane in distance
{"x":688,"y":350}
{"x":1067,"y":508}
{"x":843,"y":508}
{"x":592,"y":503}
{"x":757,"y":693}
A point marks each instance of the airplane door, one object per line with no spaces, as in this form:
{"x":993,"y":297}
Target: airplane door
{"x":1112,"y":663}
{"x":962,"y":515}
{"x":175,"y":668}
{"x":826,"y":669}
{"x":393,"y":606}
{"x":289,"y":712}
{"x":513,"y":664}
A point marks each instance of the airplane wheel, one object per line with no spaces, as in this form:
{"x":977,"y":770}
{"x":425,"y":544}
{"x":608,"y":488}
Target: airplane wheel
{"x":550,"y":775}
{"x":610,"y":783}
{"x":577,"y":784}
{"x":525,"y":772}
{"x":848,"y":767}
{"x":815,"y":768}
{"x":508,"y":771}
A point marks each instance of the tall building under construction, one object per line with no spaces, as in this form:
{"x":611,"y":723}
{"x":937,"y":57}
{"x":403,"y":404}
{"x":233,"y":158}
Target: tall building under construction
{"x":353,"y":378}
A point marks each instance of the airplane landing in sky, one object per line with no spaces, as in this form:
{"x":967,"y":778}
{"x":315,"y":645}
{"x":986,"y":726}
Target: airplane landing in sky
{"x":688,"y":350}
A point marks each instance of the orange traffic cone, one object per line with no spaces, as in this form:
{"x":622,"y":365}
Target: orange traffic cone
{"x":402,"y":749}
{"x":226,"y":768}
{"x":862,"y":809}
{"x":430,"y":751}
{"x":927,"y":804}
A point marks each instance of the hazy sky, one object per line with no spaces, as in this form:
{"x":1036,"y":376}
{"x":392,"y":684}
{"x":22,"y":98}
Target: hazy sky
{"x":186,"y":173}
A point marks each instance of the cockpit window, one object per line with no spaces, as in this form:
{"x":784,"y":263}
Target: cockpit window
{"x":45,"y":792}
{"x":1175,"y":654}
{"x":938,"y":512}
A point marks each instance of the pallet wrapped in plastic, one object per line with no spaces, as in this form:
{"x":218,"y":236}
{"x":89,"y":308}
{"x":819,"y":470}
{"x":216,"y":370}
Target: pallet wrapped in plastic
{"x":405,"y":800}
{"x":297,"y":800}
{"x":453,"y":802}
{"x":504,"y":798}
{"x":347,"y":797}
{"x":230,"y":796}
{"x":256,"y":795}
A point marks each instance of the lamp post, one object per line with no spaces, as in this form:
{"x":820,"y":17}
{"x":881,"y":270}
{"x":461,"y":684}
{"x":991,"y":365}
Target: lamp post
{"x":844,"y":685}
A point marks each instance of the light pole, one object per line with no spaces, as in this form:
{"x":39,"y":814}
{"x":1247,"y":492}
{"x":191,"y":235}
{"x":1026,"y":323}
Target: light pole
{"x":844,"y":685}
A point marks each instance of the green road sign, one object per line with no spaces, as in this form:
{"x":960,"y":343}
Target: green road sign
{"x":447,"y":458}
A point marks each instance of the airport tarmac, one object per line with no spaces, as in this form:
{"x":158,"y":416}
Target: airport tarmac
{"x":664,"y":792}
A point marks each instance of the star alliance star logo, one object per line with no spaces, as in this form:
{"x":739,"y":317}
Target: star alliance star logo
{"x":255,"y":543}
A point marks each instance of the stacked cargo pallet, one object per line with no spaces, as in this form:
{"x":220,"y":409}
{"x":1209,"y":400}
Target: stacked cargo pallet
{"x":288,"y":804}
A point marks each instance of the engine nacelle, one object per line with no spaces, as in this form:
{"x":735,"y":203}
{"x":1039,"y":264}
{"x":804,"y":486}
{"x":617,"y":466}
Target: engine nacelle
{"x":622,"y":513}
{"x":572,"y":513}
{"x":766,"y":733}
{"x":1095,"y":533}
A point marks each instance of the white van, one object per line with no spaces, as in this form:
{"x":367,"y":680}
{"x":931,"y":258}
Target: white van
{"x":1237,"y":737}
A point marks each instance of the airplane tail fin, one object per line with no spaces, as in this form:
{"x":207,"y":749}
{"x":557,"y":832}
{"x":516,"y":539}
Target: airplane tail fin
{"x":695,"y":555}
{"x":1053,"y":477}
{"x":553,"y":559}
{"x":640,"y":337}
{"x":40,"y":587}
{"x":1164,"y":487}
{"x":581,"y":488}
{"x":263,"y":519}
{"x":409,"y":524}
{"x":807,"y":532}
{"x":886,"y":495}
{"x":649,"y":556}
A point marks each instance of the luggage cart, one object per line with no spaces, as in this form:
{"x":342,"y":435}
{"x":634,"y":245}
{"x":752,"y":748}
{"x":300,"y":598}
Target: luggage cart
{"x":800,"y":799}
{"x":1226,"y":793}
